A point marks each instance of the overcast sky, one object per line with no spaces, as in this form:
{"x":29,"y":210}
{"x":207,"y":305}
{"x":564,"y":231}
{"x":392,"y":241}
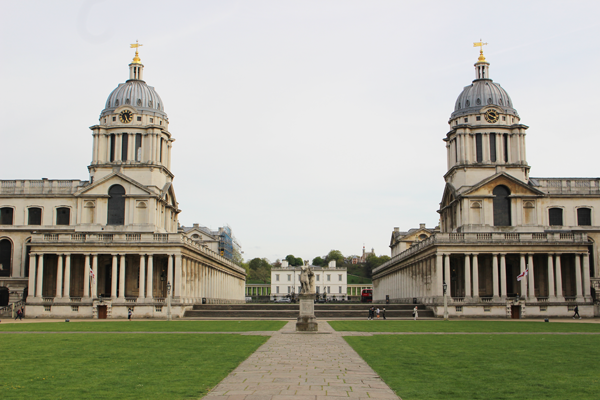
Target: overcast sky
{"x":305,"y":125}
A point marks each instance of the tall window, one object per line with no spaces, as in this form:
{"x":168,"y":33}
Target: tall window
{"x":63,"y":216}
{"x":116,"y":205}
{"x":584,"y":217}
{"x":493,"y":147}
{"x":5,"y":257}
{"x":6,"y":216}
{"x":138,"y":147}
{"x":112,"y":147}
{"x":479,"y":146}
{"x":34,"y":216}
{"x":555,"y":216}
{"x":124,"y":146}
{"x":501,"y":206}
{"x":505,"y":136}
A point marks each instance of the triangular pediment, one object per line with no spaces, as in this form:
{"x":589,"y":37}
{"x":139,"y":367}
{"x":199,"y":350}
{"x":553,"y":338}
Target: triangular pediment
{"x":516,"y":186}
{"x":449,"y":196}
{"x":101,"y":186}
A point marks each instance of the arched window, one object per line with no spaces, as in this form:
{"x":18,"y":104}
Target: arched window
{"x":5,"y":257}
{"x":34,"y":216}
{"x":63,"y":216}
{"x":501,"y":206}
{"x":116,"y":205}
{"x":555,"y":216}
{"x":6,"y":216}
{"x":584,"y":217}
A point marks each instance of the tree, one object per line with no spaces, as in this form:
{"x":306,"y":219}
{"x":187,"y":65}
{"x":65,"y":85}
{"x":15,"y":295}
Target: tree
{"x":294,"y":261}
{"x":335,"y":255}
{"x":299,"y":262}
{"x":260,"y":270}
{"x":373,"y":262}
{"x":276,"y":264}
{"x":318,"y":261}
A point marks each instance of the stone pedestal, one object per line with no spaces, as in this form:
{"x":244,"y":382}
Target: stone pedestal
{"x":306,"y":320}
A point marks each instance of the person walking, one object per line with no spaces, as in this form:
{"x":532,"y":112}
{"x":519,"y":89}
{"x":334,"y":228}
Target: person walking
{"x":576,"y":309}
{"x":415,"y":313}
{"x":377,"y":312}
{"x":129,"y":314}
{"x":18,"y":314}
{"x":383,"y":313}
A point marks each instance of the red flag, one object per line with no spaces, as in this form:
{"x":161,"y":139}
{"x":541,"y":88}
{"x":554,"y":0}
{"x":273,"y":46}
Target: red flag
{"x":523,"y":274}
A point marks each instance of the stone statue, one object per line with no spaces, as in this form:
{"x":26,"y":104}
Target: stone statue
{"x":307,"y":279}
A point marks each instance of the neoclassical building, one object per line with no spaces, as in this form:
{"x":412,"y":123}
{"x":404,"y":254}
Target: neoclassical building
{"x":497,"y":222}
{"x":99,"y":247}
{"x":330,"y":280}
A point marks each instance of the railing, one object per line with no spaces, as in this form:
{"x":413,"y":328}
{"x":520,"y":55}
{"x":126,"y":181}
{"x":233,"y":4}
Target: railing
{"x":570,"y":298}
{"x":130,"y":299}
{"x":51,"y":237}
{"x":75,"y":299}
{"x":133,"y":237}
{"x":542,"y":299}
{"x":40,"y":186}
{"x":458,"y":299}
{"x":482,"y":238}
{"x":567,"y":185}
{"x":78,"y":237}
{"x":486,"y":299}
{"x":48,"y":299}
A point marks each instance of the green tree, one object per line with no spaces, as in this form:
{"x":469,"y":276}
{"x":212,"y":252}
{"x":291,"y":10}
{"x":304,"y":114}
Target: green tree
{"x":299,"y":262}
{"x":373,"y":262}
{"x":318,"y":261}
{"x":260,"y":270}
{"x":294,"y":261}
{"x":335,"y":255}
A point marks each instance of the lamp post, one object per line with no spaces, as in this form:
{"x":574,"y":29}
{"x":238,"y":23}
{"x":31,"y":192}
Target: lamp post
{"x":168,"y":301}
{"x":445,"y":302}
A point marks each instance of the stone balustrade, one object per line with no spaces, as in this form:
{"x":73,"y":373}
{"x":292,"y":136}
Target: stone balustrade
{"x":41,"y":186}
{"x":567,"y":185}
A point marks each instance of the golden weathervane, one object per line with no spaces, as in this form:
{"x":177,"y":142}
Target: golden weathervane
{"x":479,"y":44}
{"x":135,"y":46}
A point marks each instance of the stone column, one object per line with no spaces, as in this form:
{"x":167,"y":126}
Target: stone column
{"x":170,"y":271}
{"x":495,"y":276}
{"x":31,"y":290}
{"x":447,"y":274}
{"x":559,"y":289}
{"x":524,"y":280}
{"x":177,"y":277}
{"x":530,"y":276}
{"x":142,"y":291}
{"x":86,"y":277}
{"x":467,"y":275}
{"x":587,"y":284}
{"x":503,"y":276}
{"x":122,"y":277}
{"x":40,"y":276}
{"x":59,"y":277}
{"x":150,"y":291}
{"x":95,"y":280}
{"x":67,"y":285}
{"x":476,"y":277}
{"x":118,"y":143}
{"x":551,"y":294}
{"x":578,"y":284}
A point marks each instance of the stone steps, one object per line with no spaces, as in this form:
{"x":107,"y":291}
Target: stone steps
{"x":290,"y":311}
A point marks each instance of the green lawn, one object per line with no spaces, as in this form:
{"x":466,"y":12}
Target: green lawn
{"x":462,"y":326}
{"x":489,"y":367}
{"x":124,"y":366}
{"x":145,"y":326}
{"x":356,"y":280}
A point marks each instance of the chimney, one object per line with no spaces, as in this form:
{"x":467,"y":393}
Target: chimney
{"x":396,"y":229}
{"x":422,"y":226}
{"x":196,"y":225}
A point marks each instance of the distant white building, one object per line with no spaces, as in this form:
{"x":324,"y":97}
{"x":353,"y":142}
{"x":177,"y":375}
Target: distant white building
{"x":331,"y":280}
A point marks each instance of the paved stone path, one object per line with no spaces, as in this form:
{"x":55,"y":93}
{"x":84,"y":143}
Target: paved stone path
{"x":303,"y":367}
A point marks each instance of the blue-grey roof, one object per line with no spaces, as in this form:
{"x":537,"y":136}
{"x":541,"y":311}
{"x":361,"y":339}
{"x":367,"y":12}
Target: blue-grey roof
{"x":137,"y":94}
{"x":481,"y":93}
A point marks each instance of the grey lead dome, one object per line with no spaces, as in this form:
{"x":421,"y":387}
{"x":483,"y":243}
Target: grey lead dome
{"x":481,"y":93}
{"x":137,"y":94}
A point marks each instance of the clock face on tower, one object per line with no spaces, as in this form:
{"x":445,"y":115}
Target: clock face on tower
{"x":491,"y":116}
{"x":126,"y":116}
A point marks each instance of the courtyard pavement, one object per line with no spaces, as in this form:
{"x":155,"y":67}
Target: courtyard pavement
{"x":303,"y":366}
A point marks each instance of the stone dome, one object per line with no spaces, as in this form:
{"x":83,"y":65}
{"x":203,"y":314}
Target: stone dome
{"x":481,"y":93}
{"x":137,"y":94}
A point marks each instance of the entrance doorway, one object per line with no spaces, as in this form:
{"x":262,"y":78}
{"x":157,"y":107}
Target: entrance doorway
{"x":102,"y":312}
{"x":515,"y":312}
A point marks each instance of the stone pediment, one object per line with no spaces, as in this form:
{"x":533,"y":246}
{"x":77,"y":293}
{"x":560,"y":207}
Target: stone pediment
{"x":516,"y":187}
{"x":449,"y":196}
{"x":100,"y":187}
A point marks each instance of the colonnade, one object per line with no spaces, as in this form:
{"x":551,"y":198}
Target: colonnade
{"x":202,"y":281}
{"x":425,"y":278}
{"x":463,"y":149}
{"x":356,"y":290}
{"x":258,"y":290}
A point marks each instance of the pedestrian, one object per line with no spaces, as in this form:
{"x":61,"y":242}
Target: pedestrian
{"x":576,"y":309}
{"x":22,"y":313}
{"x":383,"y":313}
{"x":415,"y":313}
{"x":18,"y":314}
{"x":129,"y":314}
{"x":371,"y":313}
{"x":377,"y":312}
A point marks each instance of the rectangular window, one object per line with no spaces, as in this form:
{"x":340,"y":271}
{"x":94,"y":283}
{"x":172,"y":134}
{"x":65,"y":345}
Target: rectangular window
{"x":340,"y":277}
{"x":487,"y":309}
{"x":289,"y":289}
{"x":6,"y":216}
{"x":458,"y":308}
{"x":111,"y":144}
{"x":478,"y":118}
{"x":158,"y":308}
{"x":299,"y":289}
{"x":138,"y":147}
{"x":114,"y":119}
{"x":505,"y":147}
{"x":124,"y":146}
{"x":493,"y":147}
{"x":584,"y":217}
{"x":63,"y":216}
{"x":318,"y":278}
{"x":555,"y":216}
{"x":276,"y":289}
{"x":277,"y":277}
{"x":466,"y":120}
{"x":543,"y":308}
{"x":340,"y":289}
{"x":34,"y":216}
{"x":139,"y":118}
{"x":479,"y":147}
{"x":75,"y":308}
{"x":151,"y":120}
{"x":48,"y":308}
{"x":328,"y":289}
{"x":318,"y":289}
{"x":289,"y":278}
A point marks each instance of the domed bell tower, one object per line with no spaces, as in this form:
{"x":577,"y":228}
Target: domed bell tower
{"x":132,"y":136}
{"x":486,"y":136}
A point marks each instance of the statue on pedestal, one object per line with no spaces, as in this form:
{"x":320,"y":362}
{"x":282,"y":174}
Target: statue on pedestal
{"x":306,"y":320}
{"x":307,"y":279}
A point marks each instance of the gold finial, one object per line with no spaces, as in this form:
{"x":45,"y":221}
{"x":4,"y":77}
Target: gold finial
{"x":136,"y":59}
{"x":480,"y":44}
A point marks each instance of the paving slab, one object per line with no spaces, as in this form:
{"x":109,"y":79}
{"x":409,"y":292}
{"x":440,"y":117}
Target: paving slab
{"x":303,"y":367}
